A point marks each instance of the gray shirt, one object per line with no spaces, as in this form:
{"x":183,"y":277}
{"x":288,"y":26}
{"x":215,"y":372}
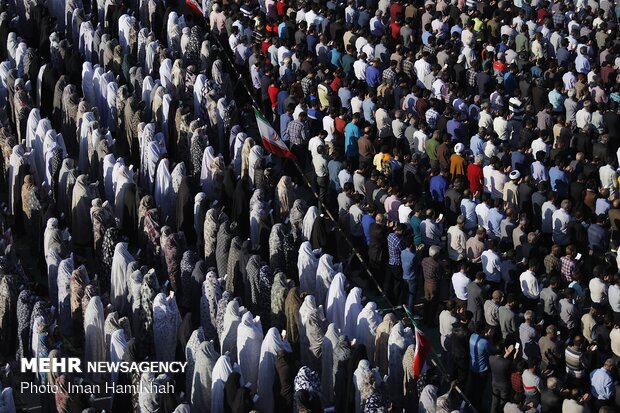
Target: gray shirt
{"x":507,"y":320}
{"x":550,"y":301}
{"x":491,"y":313}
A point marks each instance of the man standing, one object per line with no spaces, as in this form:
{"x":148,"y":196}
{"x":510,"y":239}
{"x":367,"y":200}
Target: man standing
{"x":393,"y":283}
{"x":432,"y":274}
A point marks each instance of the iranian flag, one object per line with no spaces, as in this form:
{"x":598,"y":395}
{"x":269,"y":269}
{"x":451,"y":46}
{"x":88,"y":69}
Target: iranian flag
{"x":271,"y":139}
{"x":422,"y":348}
{"x":195,"y":7}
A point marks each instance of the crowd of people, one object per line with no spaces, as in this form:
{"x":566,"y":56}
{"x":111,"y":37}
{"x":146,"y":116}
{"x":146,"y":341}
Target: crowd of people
{"x":458,"y":158}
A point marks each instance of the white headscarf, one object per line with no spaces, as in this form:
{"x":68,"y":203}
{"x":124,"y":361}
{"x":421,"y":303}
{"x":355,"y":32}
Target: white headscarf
{"x":87,"y":83}
{"x":221,"y":371}
{"x":336,"y":299}
{"x":165,"y":75}
{"x":237,"y":151}
{"x":307,"y":262}
{"x":206,"y":173}
{"x":256,"y":155}
{"x":272,"y":344}
{"x":108,"y":183}
{"x":166,"y":322}
{"x":325,"y":272}
{"x":118,"y":347}
{"x":33,"y":122}
{"x":232,"y":319}
{"x":118,"y":281}
{"x":94,"y":337}
{"x":330,"y":341}
{"x":63,"y":283}
{"x":249,"y":341}
{"x":399,"y":340}
{"x":312,"y":326}
{"x":308,"y":223}
{"x":197,"y":337}
{"x":367,"y":322}
{"x":163,"y":185}
{"x":352,"y":309}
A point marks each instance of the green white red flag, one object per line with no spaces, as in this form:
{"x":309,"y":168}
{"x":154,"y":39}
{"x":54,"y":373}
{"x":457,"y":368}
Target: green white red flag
{"x":422,"y":348}
{"x":271,"y":140}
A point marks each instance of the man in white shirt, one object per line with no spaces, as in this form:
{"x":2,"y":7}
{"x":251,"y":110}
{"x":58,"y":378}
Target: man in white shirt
{"x":530,"y":286}
{"x":613,"y":295}
{"x":599,"y":285}
{"x":486,"y":120}
{"x":404,"y":210}
{"x":491,"y":264}
{"x":547,"y":210}
{"x":422,"y":68}
{"x":559,"y":223}
{"x":457,"y":240}
{"x":460,"y":281}
{"x":359,"y":67}
{"x":609,"y":177}
{"x":584,"y":115}
{"x":446,"y":319}
{"x":482,"y":211}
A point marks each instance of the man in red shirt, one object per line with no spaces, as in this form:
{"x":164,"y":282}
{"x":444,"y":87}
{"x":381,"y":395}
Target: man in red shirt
{"x":475,"y":176}
{"x":273,"y":90}
{"x":396,"y":10}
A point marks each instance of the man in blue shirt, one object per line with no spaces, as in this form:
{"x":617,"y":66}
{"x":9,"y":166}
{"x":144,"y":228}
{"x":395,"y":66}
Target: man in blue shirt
{"x":352,"y":133}
{"x":480,"y":348}
{"x":285,"y":119}
{"x":559,"y":179}
{"x":438,"y":186}
{"x":496,"y":215}
{"x":410,"y":262}
{"x":476,"y":143}
{"x":367,"y":220}
{"x":603,"y":386}
{"x":373,"y":73}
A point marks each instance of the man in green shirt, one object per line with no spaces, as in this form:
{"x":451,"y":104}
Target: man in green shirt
{"x":431,"y":149}
{"x":522,"y":42}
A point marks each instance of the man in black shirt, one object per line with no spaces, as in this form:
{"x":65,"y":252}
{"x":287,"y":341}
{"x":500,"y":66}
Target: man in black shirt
{"x":500,"y":373}
{"x":460,"y":346}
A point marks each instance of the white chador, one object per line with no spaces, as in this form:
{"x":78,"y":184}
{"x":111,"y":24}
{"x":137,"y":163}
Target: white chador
{"x":336,"y":300}
{"x":166,"y":321}
{"x":94,"y":338}
{"x":307,"y":263}
{"x":118,"y":283}
{"x":249,"y":341}
{"x":272,"y":344}
{"x":352,"y":309}
{"x":367,"y":322}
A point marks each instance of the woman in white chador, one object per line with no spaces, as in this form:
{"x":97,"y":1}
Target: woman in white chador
{"x":367,"y":322}
{"x":336,"y":300}
{"x":312,"y":326}
{"x":249,"y":341}
{"x":307,"y":263}
{"x":325,"y":272}
{"x":118,"y":282}
{"x":272,"y":344}
{"x":94,"y":337}
{"x":166,"y":321}
{"x":221,"y":371}
{"x":352,"y":309}
{"x":206,"y":357}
